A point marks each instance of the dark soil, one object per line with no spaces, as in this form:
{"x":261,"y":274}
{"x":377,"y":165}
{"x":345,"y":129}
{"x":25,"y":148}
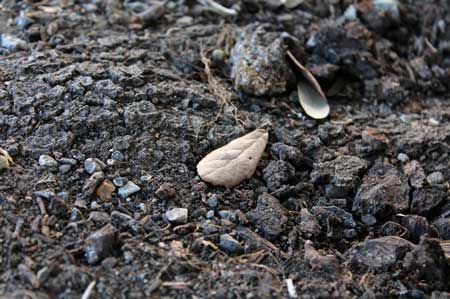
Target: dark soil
{"x":134,"y":94}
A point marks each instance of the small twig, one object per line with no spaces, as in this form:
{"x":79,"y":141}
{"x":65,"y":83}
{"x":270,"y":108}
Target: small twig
{"x":217,"y":8}
{"x":220,"y":91}
{"x":88,"y":291}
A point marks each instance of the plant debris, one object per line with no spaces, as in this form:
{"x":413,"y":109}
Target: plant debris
{"x":229,"y":165}
{"x":5,"y":159}
{"x":310,"y":94}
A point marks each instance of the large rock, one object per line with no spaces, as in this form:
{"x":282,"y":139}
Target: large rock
{"x":382,"y":193}
{"x":343,"y":172}
{"x":258,"y":62}
{"x":428,"y":262}
{"x":442,"y":226}
{"x":378,"y":255}
{"x":268,"y":216}
{"x":277,"y":174}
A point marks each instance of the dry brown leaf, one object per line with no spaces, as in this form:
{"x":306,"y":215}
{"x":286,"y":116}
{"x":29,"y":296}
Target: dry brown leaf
{"x":234,"y":162}
{"x":310,"y":94}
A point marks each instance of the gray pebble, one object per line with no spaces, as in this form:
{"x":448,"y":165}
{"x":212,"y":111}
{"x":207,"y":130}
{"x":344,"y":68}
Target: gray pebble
{"x":350,"y":233}
{"x":403,"y":157}
{"x":64,"y":168}
{"x":435,"y":178}
{"x":209,"y":228}
{"x":101,"y":244}
{"x":230,"y":244}
{"x":177,"y":215}
{"x":213,"y":201}
{"x":63,"y":195}
{"x":47,"y":161}
{"x":111,"y":162}
{"x":119,"y":181}
{"x":378,"y":255}
{"x":95,"y":205}
{"x":92,"y":165}
{"x":68,"y":161}
{"x":128,"y":189}
{"x":100,"y":217}
{"x":47,"y":193}
{"x":117,"y":156}
{"x":128,"y":256}
{"x":210,"y":214}
{"x":369,"y":220}
{"x":75,"y":215}
{"x":109,"y":262}
{"x":23,"y":21}
{"x":228,"y":215}
{"x":12,"y":43}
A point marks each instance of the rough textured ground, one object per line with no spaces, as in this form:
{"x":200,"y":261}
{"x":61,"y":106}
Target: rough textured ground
{"x":368,"y":186}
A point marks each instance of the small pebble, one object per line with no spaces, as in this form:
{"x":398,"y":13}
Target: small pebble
{"x":210,"y":214}
{"x":369,"y":220}
{"x":177,"y":215}
{"x":105,"y":189}
{"x":68,"y":161}
{"x":22,"y":21}
{"x":111,"y":162}
{"x":143,"y":208}
{"x":435,"y":178}
{"x":350,"y":13}
{"x":209,"y":228}
{"x":47,"y":194}
{"x":166,"y":191}
{"x":99,"y":217}
{"x":95,"y":205}
{"x":92,"y":165}
{"x":128,"y":256}
{"x":12,"y":43}
{"x":109,"y":262}
{"x":63,"y":195}
{"x":230,"y":244}
{"x":117,"y":156}
{"x":80,"y":203}
{"x":101,"y":244}
{"x":128,"y":189}
{"x":403,"y":157}
{"x":213,"y":201}
{"x":218,"y":55}
{"x":64,"y":168}
{"x":75,"y":215}
{"x":350,"y":233}
{"x":228,"y":215}
{"x":47,"y":161}
{"x":119,"y":181}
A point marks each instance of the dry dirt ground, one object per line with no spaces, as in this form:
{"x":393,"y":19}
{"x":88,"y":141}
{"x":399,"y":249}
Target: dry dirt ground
{"x":106,"y":107}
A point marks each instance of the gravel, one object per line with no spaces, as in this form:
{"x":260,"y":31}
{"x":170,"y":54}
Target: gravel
{"x":47,"y":161}
{"x":128,"y":189}
{"x":435,"y":178}
{"x":230,"y":244}
{"x":177,"y":215}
